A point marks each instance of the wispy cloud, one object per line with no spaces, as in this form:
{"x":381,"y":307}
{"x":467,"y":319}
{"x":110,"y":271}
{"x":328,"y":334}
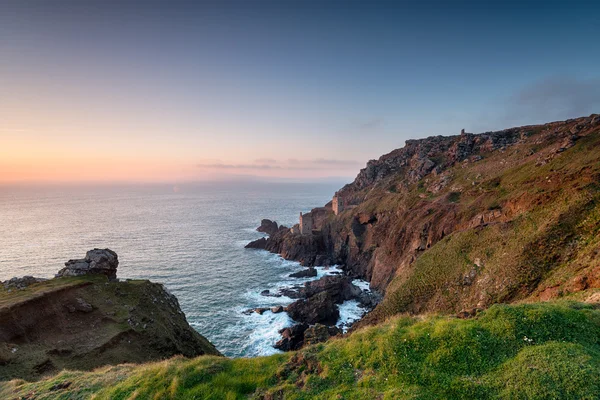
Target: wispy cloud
{"x":291,"y":164}
{"x":556,"y":97}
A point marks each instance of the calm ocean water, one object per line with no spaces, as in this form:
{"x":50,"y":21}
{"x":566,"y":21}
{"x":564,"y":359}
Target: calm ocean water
{"x":191,"y":238}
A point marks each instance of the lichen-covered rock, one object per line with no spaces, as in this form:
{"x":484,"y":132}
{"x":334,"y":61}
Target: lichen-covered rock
{"x":96,"y":261}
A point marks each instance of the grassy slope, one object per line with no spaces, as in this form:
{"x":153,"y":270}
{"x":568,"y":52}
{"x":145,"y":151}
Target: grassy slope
{"x":526,"y":351}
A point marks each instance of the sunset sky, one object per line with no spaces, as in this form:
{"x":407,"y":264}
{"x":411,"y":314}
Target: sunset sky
{"x":178,"y":91}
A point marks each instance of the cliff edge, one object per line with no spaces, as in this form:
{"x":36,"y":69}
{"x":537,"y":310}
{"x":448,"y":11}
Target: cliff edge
{"x":81,"y":321}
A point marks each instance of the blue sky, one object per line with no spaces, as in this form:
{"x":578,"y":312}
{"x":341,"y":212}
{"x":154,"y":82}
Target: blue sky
{"x":180,"y":90}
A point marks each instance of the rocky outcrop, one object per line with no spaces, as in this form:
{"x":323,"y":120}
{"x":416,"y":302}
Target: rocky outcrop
{"x":269,"y":227}
{"x":97,"y":261}
{"x":84,"y":321}
{"x":260,"y":244}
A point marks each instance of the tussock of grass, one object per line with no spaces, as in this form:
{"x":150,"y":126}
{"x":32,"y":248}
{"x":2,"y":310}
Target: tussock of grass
{"x":527,"y":351}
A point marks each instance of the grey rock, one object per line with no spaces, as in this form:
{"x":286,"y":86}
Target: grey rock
{"x":96,"y":261}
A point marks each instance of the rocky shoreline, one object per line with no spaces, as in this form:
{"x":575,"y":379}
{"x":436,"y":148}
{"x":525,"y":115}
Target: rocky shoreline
{"x":315,"y":311}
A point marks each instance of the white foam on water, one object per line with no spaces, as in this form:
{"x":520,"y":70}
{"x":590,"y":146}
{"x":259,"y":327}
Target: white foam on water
{"x":350,"y":311}
{"x":364,"y":285}
{"x":263,"y":330}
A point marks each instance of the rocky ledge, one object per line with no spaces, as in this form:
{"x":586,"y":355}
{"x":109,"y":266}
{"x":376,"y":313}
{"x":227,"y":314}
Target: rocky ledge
{"x":86,"y":318}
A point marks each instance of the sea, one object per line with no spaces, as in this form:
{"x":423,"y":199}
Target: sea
{"x":190,"y":237}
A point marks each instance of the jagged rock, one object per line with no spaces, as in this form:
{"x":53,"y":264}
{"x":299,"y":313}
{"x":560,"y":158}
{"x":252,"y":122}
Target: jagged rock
{"x":21,"y":283}
{"x":306,"y":273}
{"x":320,"y":308}
{"x":319,"y":333}
{"x":261,"y":310}
{"x":293,"y":338}
{"x":267,"y":226}
{"x":97,"y":261}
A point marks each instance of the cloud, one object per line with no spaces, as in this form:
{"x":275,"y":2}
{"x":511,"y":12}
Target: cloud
{"x":556,"y":97}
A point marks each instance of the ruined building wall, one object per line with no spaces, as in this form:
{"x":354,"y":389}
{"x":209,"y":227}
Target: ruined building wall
{"x":306,"y":224}
{"x":337,"y":204}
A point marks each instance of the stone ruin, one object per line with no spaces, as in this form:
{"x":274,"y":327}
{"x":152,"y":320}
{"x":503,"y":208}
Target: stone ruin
{"x":306,"y":224}
{"x":337,"y":204}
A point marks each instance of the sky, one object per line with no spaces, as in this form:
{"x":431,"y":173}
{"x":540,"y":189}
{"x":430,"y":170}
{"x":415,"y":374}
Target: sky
{"x":176,"y":91}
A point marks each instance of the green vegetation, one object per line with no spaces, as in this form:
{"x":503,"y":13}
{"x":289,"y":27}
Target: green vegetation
{"x":527,"y":351}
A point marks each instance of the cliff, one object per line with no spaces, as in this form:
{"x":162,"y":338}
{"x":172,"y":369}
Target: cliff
{"x":458,"y":223}
{"x":87,"y":321}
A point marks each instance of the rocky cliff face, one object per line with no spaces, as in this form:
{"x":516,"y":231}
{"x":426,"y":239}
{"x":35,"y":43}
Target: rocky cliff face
{"x":86,"y":321}
{"x":454,"y":223}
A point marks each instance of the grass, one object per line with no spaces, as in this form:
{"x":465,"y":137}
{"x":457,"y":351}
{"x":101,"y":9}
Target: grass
{"x":526,"y":351}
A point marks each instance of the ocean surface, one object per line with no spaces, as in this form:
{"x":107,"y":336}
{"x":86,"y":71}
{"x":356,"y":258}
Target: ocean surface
{"x":190,"y":238}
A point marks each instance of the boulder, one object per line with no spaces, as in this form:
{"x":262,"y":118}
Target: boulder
{"x":320,"y":308}
{"x":276,"y":309}
{"x":306,"y":273}
{"x":97,"y":261}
